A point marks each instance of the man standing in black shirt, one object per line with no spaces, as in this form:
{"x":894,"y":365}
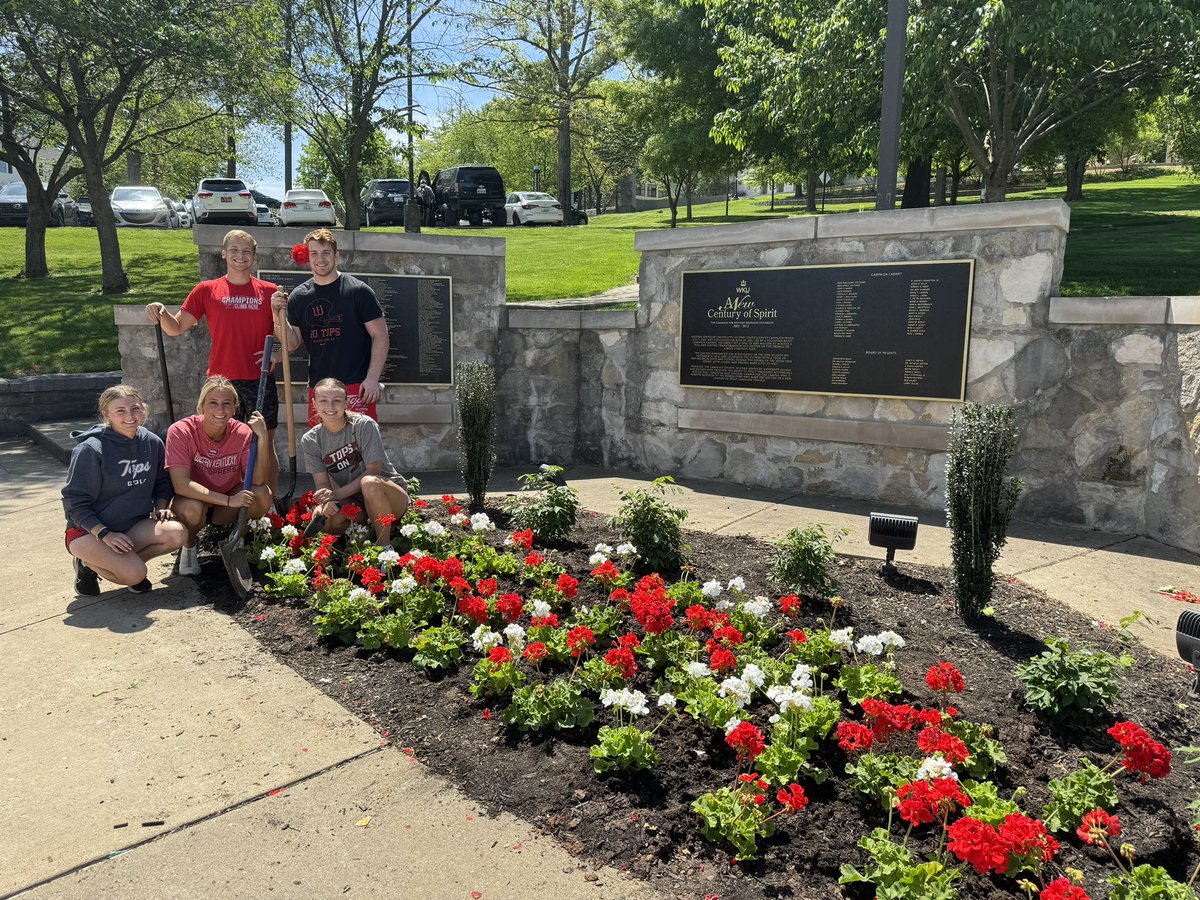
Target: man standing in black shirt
{"x":341,"y":323}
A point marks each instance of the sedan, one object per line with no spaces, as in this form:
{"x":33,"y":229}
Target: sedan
{"x":85,"y":211}
{"x":14,"y":207}
{"x":307,"y":207}
{"x":137,"y":206}
{"x":264,"y":215}
{"x":533,"y":208}
{"x":183,"y":213}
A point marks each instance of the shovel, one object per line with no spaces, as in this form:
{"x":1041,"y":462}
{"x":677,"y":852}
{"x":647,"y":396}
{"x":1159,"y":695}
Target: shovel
{"x":285,"y":499}
{"x":166,"y":378}
{"x":233,"y":548}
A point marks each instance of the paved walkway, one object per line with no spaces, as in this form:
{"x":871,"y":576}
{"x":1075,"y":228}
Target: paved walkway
{"x":149,"y":747}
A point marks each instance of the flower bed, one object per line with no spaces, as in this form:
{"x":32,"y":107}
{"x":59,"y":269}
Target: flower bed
{"x":720,"y":743}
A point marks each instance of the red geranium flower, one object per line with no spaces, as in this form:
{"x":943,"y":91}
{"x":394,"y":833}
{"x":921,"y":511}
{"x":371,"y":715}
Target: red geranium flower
{"x":853,"y":737}
{"x":474,"y":608}
{"x":387,"y":520}
{"x":1028,"y":838}
{"x":356,"y":562}
{"x":796,"y":637}
{"x":622,"y":658}
{"x":933,"y":740}
{"x":485,"y":587}
{"x":523,"y":540}
{"x":789,"y":605}
{"x":792,"y":798}
{"x":944,"y":678}
{"x":698,"y":617}
{"x":459,"y":585}
{"x":977,"y":843}
{"x":922,"y":802}
{"x":1097,"y":827}
{"x":452,"y":567}
{"x":619,"y":596}
{"x":1062,"y":889}
{"x":427,"y":569}
{"x":746,"y":740}
{"x":498,"y":656}
{"x":606,"y":573}
{"x":510,"y":607}
{"x":722,"y":661}
{"x":351,"y":510}
{"x":535,"y":652}
{"x":321,"y":579}
{"x":567,"y":586}
{"x":579,"y":639}
{"x":629,"y":640}
{"x":300,"y":254}
{"x":533,"y":558}
{"x":550,"y":621}
{"x":420,"y":504}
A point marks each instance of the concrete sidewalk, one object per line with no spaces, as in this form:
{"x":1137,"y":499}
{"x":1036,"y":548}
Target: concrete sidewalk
{"x":151,"y":749}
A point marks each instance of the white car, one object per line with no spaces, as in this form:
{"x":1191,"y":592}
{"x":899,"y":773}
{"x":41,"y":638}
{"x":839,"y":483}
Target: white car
{"x":532,"y":208}
{"x":306,"y":207}
{"x":223,"y":201}
{"x":138,"y":206}
{"x":264,"y":215}
{"x":183,"y":213}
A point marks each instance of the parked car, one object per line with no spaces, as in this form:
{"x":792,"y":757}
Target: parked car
{"x":581,"y":216}
{"x":84,"y":205}
{"x":183,"y":213}
{"x":141,"y":206}
{"x":14,"y":207}
{"x":223,"y":201}
{"x":533,"y":208}
{"x":469,"y":192}
{"x":265,"y":217}
{"x":306,"y":207}
{"x":383,"y":201}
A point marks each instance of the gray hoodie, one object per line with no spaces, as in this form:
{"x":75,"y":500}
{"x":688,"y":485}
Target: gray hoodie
{"x":114,"y":480}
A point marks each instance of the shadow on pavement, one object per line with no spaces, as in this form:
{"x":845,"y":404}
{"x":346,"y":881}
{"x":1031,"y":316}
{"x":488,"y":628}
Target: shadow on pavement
{"x":123,"y":612}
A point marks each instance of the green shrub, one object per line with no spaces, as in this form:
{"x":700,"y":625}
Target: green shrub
{"x":1088,"y":787}
{"x":1069,"y":684}
{"x":622,"y":748}
{"x":979,"y":499}
{"x":803,"y":559}
{"x":653,"y":525}
{"x":1148,"y":881}
{"x":559,"y":705}
{"x":544,"y":505}
{"x":898,"y":875}
{"x":476,"y":393}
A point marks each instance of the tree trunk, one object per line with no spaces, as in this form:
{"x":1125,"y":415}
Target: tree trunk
{"x":1075,"y":168}
{"x":916,"y":183}
{"x":133,"y":166}
{"x":231,"y":145}
{"x":995,"y":185}
{"x":810,"y":188}
{"x":687,"y":192}
{"x":939,"y":187}
{"x":564,"y":162}
{"x":772,"y":195}
{"x":113,"y":280}
{"x":35,"y":236}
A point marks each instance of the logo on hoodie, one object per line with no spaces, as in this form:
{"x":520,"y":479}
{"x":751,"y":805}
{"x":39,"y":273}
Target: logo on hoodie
{"x":133,"y":470}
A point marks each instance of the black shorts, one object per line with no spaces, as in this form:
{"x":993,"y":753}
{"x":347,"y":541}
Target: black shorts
{"x":248,"y":395}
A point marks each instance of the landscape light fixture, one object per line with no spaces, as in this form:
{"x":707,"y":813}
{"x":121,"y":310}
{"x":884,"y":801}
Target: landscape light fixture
{"x":894,"y":533}
{"x":1187,"y":642}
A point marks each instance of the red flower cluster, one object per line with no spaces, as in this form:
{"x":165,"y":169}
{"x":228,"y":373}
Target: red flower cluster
{"x":977,"y":843}
{"x":933,"y":740}
{"x":498,"y":656}
{"x":789,"y":605}
{"x":853,"y":737}
{"x":533,"y":558}
{"x":321,"y":579}
{"x":387,"y":520}
{"x":698,"y":617}
{"x":427,"y":569}
{"x":372,"y":580}
{"x":722,"y":661}
{"x":474,"y":607}
{"x":1143,"y":755}
{"x":459,"y":585}
{"x":727,"y":636}
{"x":350,"y":510}
{"x":606,"y":573}
{"x":579,"y":639}
{"x":621,"y":658}
{"x":452,"y":567}
{"x":746,"y":740}
{"x":944,"y":678}
{"x":1062,"y":889}
{"x":510,"y":607}
{"x":485,"y":587}
{"x":1020,"y":842}
{"x":1097,"y":827}
{"x":550,"y":621}
{"x":523,"y":540}
{"x":323,"y":552}
{"x":792,"y":798}
{"x":300,"y":254}
{"x":536,"y":652}
{"x":796,"y":637}
{"x":922,"y":802}
{"x":886,"y":718}
{"x":567,"y":586}
{"x":1027,"y":840}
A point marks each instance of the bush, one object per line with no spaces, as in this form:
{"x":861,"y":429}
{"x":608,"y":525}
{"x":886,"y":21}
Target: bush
{"x":476,"y":394}
{"x":979,"y":499}
{"x":802,"y":561}
{"x":1066,"y":684}
{"x":653,"y":525}
{"x":551,"y":513}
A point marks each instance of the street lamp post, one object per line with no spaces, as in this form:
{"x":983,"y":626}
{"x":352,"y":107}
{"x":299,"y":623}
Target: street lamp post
{"x":893,"y":99}
{"x":412,"y":212}
{"x":537,"y":177}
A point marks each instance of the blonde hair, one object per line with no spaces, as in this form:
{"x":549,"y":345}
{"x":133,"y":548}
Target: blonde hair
{"x":322,"y":236}
{"x":109,"y":394}
{"x":238,"y":235}
{"x":337,"y":385}
{"x":214,"y":383}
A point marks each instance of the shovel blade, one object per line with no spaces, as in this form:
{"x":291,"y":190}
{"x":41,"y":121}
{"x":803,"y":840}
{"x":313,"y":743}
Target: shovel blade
{"x":233,"y":554}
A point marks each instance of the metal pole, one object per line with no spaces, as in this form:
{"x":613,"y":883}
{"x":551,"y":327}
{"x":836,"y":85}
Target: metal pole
{"x":893,"y":100}
{"x":287,"y":123}
{"x":412,"y":219}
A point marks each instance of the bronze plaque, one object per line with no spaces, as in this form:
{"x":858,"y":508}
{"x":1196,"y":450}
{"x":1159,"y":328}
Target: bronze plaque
{"x":872,"y":330}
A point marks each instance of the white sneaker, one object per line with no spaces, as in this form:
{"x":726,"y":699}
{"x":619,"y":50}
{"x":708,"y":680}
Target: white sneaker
{"x":189,"y":561}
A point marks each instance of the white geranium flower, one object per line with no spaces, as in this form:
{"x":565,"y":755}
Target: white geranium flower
{"x":435,"y":529}
{"x":604,"y":548}
{"x":667,"y":701}
{"x":403,"y":585}
{"x":295,"y":566}
{"x":935,"y":767}
{"x":484,"y":639}
{"x":843,"y":637}
{"x":786,"y":698}
{"x":357,"y":532}
{"x":626,"y":549}
{"x":633,"y":702}
{"x":722,"y":605}
{"x":737,"y":689}
{"x":737,"y":583}
{"x":698,"y":670}
{"x":891,"y":639}
{"x":870,"y":644}
{"x":360,"y":595}
{"x":481,"y":522}
{"x":712,"y":588}
{"x":416,"y":554}
{"x":596,"y":559}
{"x":263,"y":524}
{"x":289,"y":531}
{"x":752,"y":674}
{"x":459,"y":519}
{"x":758,"y":607}
{"x":730,"y":725}
{"x":802,"y":676}
{"x":268,"y":554}
{"x":515,"y":635}
{"x":541,"y":609}
{"x":388,"y":557}
{"x":408,"y":529}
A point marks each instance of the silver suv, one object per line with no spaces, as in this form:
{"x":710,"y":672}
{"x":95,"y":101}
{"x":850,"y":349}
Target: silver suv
{"x":224,"y":201}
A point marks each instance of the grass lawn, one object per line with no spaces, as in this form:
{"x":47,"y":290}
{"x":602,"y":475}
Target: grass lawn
{"x":1127,"y":238}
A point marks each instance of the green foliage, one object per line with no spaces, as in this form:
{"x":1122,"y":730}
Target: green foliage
{"x":818,"y":651}
{"x":476,"y":394}
{"x":700,"y":698}
{"x":439,"y":647}
{"x":730,"y":815}
{"x":622,"y":748}
{"x":603,"y":620}
{"x":485,"y":561}
{"x":551,"y":513}
{"x":979,"y":499}
{"x":986,"y":753}
{"x":393,"y":630}
{"x":281,"y":585}
{"x":986,"y":803}
{"x":653,"y":525}
{"x":341,"y":611}
{"x":879,"y":775}
{"x":1148,"y":883}
{"x":896,"y":873}
{"x":491,"y":680}
{"x":1065,"y":684}
{"x":1071,"y":798}
{"x":559,"y":705}
{"x":669,"y":648}
{"x":781,"y":762}
{"x":803,"y":559}
{"x":860,"y":682}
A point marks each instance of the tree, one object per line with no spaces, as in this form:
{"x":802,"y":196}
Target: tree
{"x":611,"y":140}
{"x":544,"y":54}
{"x":101,"y":69}
{"x":350,"y":59}
{"x":379,"y":156}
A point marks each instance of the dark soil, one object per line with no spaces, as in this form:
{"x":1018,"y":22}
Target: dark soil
{"x":643,"y":824}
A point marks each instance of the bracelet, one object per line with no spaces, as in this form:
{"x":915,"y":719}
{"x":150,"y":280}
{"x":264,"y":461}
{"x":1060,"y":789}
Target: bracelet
{"x":104,"y":532}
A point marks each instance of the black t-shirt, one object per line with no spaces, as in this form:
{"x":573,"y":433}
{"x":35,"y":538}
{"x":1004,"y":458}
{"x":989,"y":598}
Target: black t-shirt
{"x":332,"y":321}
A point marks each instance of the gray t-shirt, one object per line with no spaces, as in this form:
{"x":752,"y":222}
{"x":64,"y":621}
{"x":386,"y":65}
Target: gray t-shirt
{"x":345,"y":455}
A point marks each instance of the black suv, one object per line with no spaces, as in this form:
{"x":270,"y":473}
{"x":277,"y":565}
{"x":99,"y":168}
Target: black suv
{"x":468,"y":192}
{"x":383,"y":201}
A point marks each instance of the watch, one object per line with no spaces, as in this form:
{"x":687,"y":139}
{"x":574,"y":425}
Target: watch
{"x":103,"y":532}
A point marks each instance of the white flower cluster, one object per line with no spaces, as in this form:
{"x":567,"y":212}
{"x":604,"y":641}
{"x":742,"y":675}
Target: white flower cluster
{"x":626,"y":550}
{"x":737,"y":583}
{"x":875,"y":644}
{"x":408,"y":529}
{"x":516,"y":637}
{"x":360,"y":595}
{"x":935,"y":767}
{"x":388,"y":557}
{"x":758,"y":607}
{"x":263,"y":524}
{"x":738,"y":689}
{"x":484,"y":639}
{"x":605,"y":549}
{"x":597,"y":558}
{"x":289,"y":531}
{"x":435,"y":529}
{"x":633,"y":702}
{"x":730,"y":725}
{"x":481,"y":522}
{"x":698,"y":670}
{"x":843,"y":637}
{"x":787,"y":698}
{"x":295,"y":566}
{"x":712,"y":589}
{"x":459,"y":519}
{"x":667,"y":701}
{"x":268,"y":554}
{"x":416,"y":554}
{"x":357,"y":532}
{"x":405,"y":584}
{"x":541,"y":609}
{"x":754,"y":675}
{"x":802,"y":676}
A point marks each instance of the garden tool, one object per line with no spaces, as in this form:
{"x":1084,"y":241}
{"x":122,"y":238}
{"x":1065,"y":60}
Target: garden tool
{"x":285,"y":499}
{"x":166,"y":379}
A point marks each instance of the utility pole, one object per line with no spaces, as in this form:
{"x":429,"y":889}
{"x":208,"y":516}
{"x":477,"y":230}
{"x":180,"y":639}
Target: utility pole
{"x":893,"y":101}
{"x":412,"y":213}
{"x":287,"y":122}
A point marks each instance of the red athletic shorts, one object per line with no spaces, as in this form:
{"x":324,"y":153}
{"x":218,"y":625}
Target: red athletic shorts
{"x":74,"y":531}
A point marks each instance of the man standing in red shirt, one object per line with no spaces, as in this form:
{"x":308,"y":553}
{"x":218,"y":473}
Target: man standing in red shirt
{"x":238,"y":307}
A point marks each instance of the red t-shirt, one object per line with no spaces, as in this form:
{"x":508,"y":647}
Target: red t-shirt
{"x":218,"y":465}
{"x":239,"y":320}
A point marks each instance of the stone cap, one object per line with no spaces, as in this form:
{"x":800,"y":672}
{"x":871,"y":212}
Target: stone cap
{"x":210,"y":237}
{"x":969,"y":217}
{"x":1125,"y":310}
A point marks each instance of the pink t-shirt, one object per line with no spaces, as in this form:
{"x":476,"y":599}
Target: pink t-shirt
{"x":218,"y":465}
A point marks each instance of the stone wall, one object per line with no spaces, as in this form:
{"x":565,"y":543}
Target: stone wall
{"x":51,"y":398}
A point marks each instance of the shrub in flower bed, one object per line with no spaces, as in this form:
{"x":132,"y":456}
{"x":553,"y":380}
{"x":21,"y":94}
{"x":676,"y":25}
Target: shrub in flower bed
{"x":819,"y":739}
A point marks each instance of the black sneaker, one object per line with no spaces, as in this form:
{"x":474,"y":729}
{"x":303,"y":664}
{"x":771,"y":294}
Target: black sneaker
{"x":142,"y":587}
{"x":87,"y":582}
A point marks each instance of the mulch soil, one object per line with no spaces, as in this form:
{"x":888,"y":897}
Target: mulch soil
{"x":643,"y":824}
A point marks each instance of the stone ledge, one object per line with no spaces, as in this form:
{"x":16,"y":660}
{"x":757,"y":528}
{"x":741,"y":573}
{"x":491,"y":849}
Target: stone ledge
{"x":135,"y":313}
{"x":210,"y":236}
{"x":1184,"y":311}
{"x":39,"y":384}
{"x":533,"y":318}
{"x":391,"y":414}
{"x":771,"y":231}
{"x":1125,"y":310}
{"x":807,"y":428}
